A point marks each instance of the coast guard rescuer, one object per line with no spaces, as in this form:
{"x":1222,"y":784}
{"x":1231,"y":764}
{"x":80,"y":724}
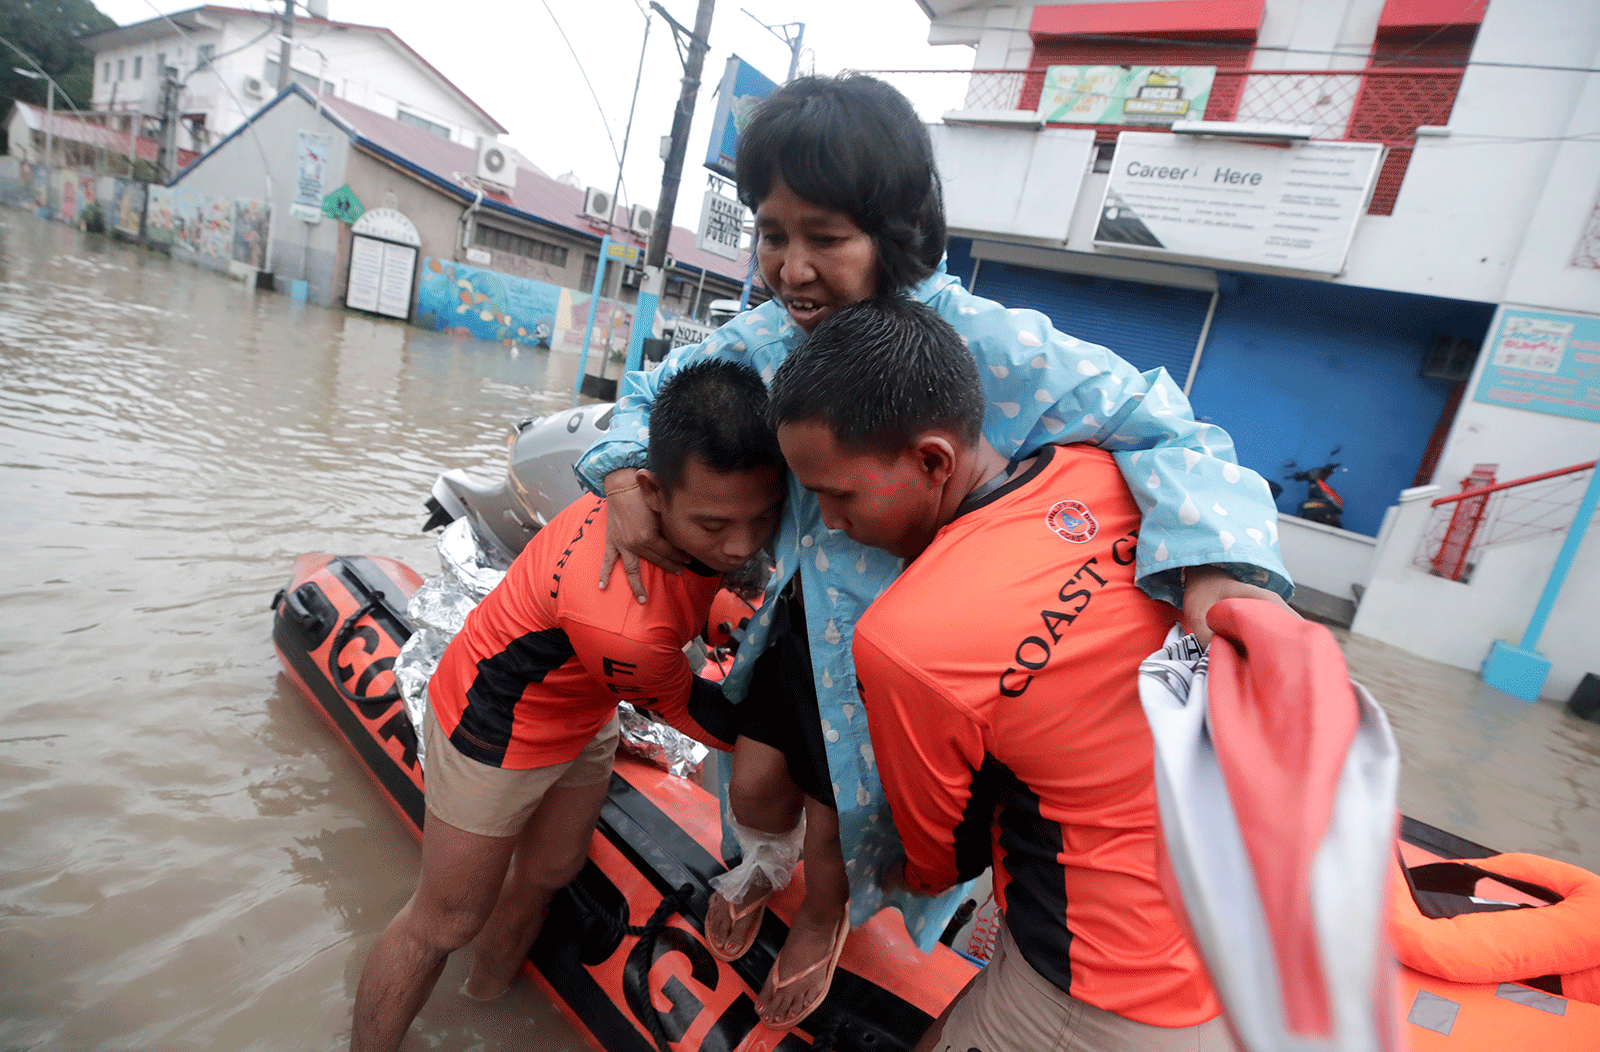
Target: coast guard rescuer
{"x":999,"y":673}
{"x":522,"y":721}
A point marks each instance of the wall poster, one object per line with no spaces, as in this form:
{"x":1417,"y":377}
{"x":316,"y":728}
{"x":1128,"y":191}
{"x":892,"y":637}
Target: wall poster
{"x":1155,"y":95}
{"x":1294,"y":206}
{"x":311,"y":173}
{"x":1549,"y":363}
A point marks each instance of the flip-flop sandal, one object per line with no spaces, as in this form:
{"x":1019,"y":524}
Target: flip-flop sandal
{"x":831,"y":963}
{"x":757,"y":906}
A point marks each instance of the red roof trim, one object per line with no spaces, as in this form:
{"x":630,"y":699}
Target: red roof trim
{"x":1234,"y":18}
{"x":381,"y":30}
{"x":1406,"y":14}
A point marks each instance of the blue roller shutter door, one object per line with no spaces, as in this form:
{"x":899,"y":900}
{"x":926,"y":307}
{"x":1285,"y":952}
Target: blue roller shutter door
{"x":1148,"y":325}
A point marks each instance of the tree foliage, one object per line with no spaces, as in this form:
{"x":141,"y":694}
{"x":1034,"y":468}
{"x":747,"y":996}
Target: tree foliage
{"x":48,"y":31}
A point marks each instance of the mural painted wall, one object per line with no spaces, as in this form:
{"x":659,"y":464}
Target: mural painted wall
{"x":223,"y":228}
{"x":489,"y":305}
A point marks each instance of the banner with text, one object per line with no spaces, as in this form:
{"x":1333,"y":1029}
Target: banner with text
{"x":742,"y":89}
{"x":1294,"y":207}
{"x":721,"y":225}
{"x":1549,"y":363}
{"x":1125,"y":94}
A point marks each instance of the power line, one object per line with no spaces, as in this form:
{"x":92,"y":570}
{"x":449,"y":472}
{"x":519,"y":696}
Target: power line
{"x":584,"y":73}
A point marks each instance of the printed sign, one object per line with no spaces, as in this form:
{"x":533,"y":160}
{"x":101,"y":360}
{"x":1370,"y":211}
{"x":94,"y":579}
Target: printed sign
{"x":721,"y":225}
{"x":310,"y":175}
{"x":1549,"y":363}
{"x":1125,"y":94}
{"x":686,"y":332}
{"x":342,"y":204}
{"x":1294,"y":207}
{"x":387,"y":224}
{"x":629,"y":254}
{"x":742,"y":89}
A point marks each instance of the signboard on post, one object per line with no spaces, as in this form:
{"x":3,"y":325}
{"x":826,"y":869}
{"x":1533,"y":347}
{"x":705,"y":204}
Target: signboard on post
{"x":310,"y":174}
{"x":1294,"y":207}
{"x":742,"y":89}
{"x":628,"y":254}
{"x":1549,"y":363}
{"x":1125,"y":94}
{"x":721,"y":225}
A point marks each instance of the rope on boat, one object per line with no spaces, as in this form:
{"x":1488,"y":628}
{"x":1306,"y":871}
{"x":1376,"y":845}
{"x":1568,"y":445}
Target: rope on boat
{"x":616,"y":927}
{"x":342,"y":637}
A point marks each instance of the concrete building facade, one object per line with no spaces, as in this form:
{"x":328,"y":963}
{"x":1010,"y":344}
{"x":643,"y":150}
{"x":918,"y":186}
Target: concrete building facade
{"x":227,"y":61}
{"x":1482,"y":207}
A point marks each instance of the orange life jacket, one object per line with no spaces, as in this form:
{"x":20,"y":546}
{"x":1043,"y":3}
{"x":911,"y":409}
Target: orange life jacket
{"x":1506,"y":944}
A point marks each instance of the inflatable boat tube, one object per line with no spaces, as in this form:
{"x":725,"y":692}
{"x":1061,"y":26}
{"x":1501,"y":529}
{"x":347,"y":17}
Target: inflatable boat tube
{"x":623,"y":954}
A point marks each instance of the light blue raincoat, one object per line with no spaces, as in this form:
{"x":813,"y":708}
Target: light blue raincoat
{"x":1042,"y":386}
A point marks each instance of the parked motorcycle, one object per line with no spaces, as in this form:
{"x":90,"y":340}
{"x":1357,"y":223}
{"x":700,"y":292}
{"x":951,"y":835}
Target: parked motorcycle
{"x":1323,"y":503}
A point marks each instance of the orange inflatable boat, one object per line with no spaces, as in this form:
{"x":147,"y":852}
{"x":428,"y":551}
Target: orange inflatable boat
{"x":624,"y":956}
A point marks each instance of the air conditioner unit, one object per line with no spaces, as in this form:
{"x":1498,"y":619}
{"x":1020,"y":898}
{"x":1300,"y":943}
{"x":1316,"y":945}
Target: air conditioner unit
{"x":253,"y":87}
{"x":597,"y":204}
{"x":495,"y":164}
{"x":641,"y":220}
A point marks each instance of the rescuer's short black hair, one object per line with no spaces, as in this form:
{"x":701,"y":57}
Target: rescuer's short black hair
{"x":879,"y":373}
{"x":717,"y":410}
{"x":854,"y":144}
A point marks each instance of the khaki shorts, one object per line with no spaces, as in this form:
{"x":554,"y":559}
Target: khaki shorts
{"x":498,"y":801}
{"x":1010,"y":1007}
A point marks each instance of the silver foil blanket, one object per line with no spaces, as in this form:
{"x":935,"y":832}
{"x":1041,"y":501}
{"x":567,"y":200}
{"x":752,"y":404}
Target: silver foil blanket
{"x":439,"y":609}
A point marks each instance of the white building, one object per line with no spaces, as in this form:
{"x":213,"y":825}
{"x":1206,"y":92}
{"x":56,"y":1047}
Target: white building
{"x":227,"y":60}
{"x":1483,"y":215}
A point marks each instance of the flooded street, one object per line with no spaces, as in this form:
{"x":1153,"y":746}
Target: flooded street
{"x":189,"y":859}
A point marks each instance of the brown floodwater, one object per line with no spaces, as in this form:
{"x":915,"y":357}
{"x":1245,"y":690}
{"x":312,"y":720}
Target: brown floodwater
{"x":188,"y":858}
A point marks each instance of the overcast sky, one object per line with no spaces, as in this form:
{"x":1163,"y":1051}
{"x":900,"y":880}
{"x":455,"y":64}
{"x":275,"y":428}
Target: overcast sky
{"x":511,"y":60}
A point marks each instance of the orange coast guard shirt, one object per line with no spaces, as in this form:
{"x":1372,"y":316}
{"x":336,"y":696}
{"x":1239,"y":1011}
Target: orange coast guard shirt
{"x":542,"y":662}
{"x":1000,"y":678}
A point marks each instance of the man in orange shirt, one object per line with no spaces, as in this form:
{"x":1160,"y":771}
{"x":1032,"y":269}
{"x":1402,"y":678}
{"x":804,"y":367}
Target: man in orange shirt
{"x":999,"y":677}
{"x":522,"y":721}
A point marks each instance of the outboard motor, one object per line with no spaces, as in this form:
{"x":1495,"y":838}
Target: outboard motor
{"x":538,"y":483}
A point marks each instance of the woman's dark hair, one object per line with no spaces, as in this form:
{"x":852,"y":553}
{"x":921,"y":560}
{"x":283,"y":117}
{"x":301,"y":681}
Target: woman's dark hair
{"x":854,"y":144}
{"x":716,"y":410}
{"x":878,"y":374}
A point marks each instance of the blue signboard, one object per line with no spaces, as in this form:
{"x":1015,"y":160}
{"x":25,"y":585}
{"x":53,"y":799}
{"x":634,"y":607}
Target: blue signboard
{"x":1549,"y":363}
{"x":743,"y":88}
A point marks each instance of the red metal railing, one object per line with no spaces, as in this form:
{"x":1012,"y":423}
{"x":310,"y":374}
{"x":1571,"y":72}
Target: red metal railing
{"x":1364,"y":105}
{"x":1486,"y":516}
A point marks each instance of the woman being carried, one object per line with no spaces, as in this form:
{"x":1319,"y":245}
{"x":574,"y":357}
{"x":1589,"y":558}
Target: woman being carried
{"x":841,"y":176}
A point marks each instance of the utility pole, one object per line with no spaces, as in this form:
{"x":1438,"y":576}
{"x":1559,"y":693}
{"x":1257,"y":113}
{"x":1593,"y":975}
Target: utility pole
{"x":672,"y":173}
{"x":286,"y":49}
{"x":167,"y":148}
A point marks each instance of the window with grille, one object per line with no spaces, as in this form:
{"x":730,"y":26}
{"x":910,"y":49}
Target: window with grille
{"x":1450,"y":358}
{"x":521,"y":245}
{"x":423,"y":123}
{"x":203,"y":56}
{"x":138,"y":66}
{"x":591,"y":264}
{"x":305,"y":80}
